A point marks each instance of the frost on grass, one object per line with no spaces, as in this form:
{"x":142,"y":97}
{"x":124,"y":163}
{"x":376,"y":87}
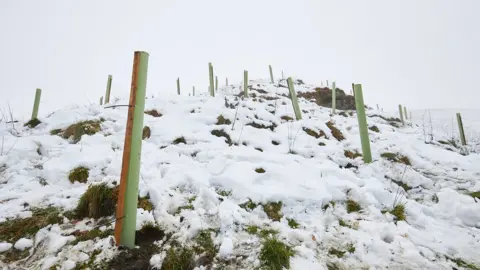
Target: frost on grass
{"x":79,"y":174}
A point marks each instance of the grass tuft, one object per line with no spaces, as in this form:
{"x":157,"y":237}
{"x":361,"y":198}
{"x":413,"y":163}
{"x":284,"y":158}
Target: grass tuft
{"x":275,"y":254}
{"x":272,"y":209}
{"x":335,"y":131}
{"x":374,"y":129}
{"x":179,"y":140}
{"x":336,"y":252}
{"x":33,"y":123}
{"x":79,"y":174}
{"x":90,"y":235}
{"x":313,"y":133}
{"x":144,"y":203}
{"x":248,"y":205}
{"x":223,"y":121}
{"x":222,"y":133}
{"x":98,"y":201}
{"x":146,"y":133}
{"x":55,"y":131}
{"x":353,"y":206}
{"x":204,"y":244}
{"x":179,"y":258}
{"x":252,"y":229}
{"x":259,"y":170}
{"x":293,"y":223}
{"x":153,"y":113}
{"x":351,"y":155}
{"x":286,"y":118}
{"x":396,"y":158}
{"x":77,"y":130}
{"x":398,"y":211}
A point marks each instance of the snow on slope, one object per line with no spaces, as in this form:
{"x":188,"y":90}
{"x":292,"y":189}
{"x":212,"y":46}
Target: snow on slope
{"x":442,"y":221}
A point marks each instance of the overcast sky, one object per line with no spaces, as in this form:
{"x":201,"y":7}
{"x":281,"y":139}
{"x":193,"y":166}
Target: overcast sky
{"x":423,"y":54}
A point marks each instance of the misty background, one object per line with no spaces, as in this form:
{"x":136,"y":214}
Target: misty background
{"x":422,"y":54}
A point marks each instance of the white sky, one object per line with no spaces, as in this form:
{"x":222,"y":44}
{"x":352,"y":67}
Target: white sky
{"x":418,"y":53}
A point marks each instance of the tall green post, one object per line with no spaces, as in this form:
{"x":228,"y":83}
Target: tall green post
{"x":125,"y":226}
{"x":109,"y":86}
{"x":401,"y":113}
{"x":271,"y":74}
{"x":293,"y":96}
{"x":216,"y":83}
{"x":210,"y":69}
{"x":193,"y":90}
{"x":460,"y":128}
{"x":362,"y":123}
{"x":405,"y":112}
{"x":101,"y":100}
{"x":226,"y":81}
{"x":178,"y":86}
{"x":36,"y":103}
{"x":334,"y":97}
{"x":245,"y":83}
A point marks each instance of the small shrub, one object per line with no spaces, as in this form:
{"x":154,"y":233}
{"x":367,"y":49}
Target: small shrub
{"x":33,"y":123}
{"x":98,"y":201}
{"x":248,"y":205}
{"x":335,"y":131}
{"x":272,"y":209}
{"x":353,"y":206}
{"x":275,"y":254}
{"x":396,"y":158}
{"x":374,"y":128}
{"x":13,"y":230}
{"x":179,"y":259}
{"x":79,"y":174}
{"x":351,"y":155}
{"x":259,"y":170}
{"x":153,"y":113}
{"x":77,"y":130}
{"x":286,"y":118}
{"x":293,"y":223}
{"x":222,"y":133}
{"x":223,"y":121}
{"x":146,"y":133}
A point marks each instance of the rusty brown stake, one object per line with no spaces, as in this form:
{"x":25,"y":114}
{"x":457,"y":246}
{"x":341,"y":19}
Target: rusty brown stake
{"x":120,"y":213}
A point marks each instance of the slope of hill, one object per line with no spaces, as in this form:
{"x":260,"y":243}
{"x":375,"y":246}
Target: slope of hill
{"x":232,"y":183}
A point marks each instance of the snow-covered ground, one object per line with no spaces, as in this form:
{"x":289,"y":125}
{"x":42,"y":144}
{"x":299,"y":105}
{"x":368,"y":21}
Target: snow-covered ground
{"x":311,"y":176}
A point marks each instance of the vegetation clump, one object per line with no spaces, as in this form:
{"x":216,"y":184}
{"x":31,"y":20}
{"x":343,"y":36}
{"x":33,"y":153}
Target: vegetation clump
{"x":248,"y":205}
{"x":146,"y":133}
{"x":275,"y":254}
{"x":252,"y":229}
{"x":98,"y":201}
{"x":144,"y":203}
{"x":259,"y":170}
{"x":179,"y":140}
{"x":272,"y":126}
{"x":33,"y":123}
{"x":293,"y":223}
{"x":336,"y":252}
{"x":153,"y":113}
{"x":79,"y":174}
{"x":13,"y":230}
{"x":179,"y":258}
{"x":90,"y":235}
{"x":77,"y":130}
{"x":398,"y":211}
{"x":204,"y":245}
{"x":351,"y":155}
{"x":273,"y":210}
{"x":286,"y":118}
{"x":396,"y":158}
{"x":223,"y":121}
{"x":222,"y":133}
{"x":313,"y":133}
{"x":353,"y":206}
{"x":374,"y":129}
{"x":335,"y":131}
{"x":275,"y":142}
{"x":55,"y":131}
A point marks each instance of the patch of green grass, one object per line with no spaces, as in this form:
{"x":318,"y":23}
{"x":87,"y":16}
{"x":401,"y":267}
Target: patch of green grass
{"x":275,"y":254}
{"x":98,"y":201}
{"x":396,"y":158}
{"x":330,"y":203}
{"x":293,"y":223}
{"x":192,"y":199}
{"x":336,"y":133}
{"x":336,"y":252}
{"x":268,"y":232}
{"x":221,"y":120}
{"x":249,"y":205}
{"x":179,"y":140}
{"x":13,"y":255}
{"x":77,"y":130}
{"x":342,"y":223}
{"x":90,"y":235}
{"x":461,"y":263}
{"x":144,"y":203}
{"x":79,"y":174}
{"x":398,"y":211}
{"x":222,"y":133}
{"x":259,"y":170}
{"x":33,"y":123}
{"x":374,"y":129}
{"x":224,"y":193}
{"x":474,"y":194}
{"x":204,"y":244}
{"x":179,"y":258}
{"x":272,"y":209}
{"x":146,"y":132}
{"x":55,"y":131}
{"x":403,"y":185}
{"x":252,"y":229}
{"x":351,"y":248}
{"x":353,"y":206}
{"x":13,"y":230}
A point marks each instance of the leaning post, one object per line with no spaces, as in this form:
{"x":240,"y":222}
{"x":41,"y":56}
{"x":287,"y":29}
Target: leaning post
{"x":362,"y":123}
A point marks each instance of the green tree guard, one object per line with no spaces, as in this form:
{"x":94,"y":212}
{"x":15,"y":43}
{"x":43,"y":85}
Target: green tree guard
{"x":226,"y":81}
{"x":109,"y":86}
{"x":216,"y":83}
{"x":334,"y":97}
{"x":36,"y":103}
{"x":460,"y":128}
{"x":101,"y":100}
{"x":137,"y":95}
{"x":210,"y":68}
{"x":405,"y":112}
{"x":245,"y":83}
{"x":401,"y":113}
{"x":178,"y":86}
{"x":362,"y":123}
{"x":193,"y":91}
{"x":271,"y":74}
{"x":293,"y":96}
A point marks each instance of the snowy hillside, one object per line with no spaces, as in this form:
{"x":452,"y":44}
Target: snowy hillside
{"x":232,"y":183}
